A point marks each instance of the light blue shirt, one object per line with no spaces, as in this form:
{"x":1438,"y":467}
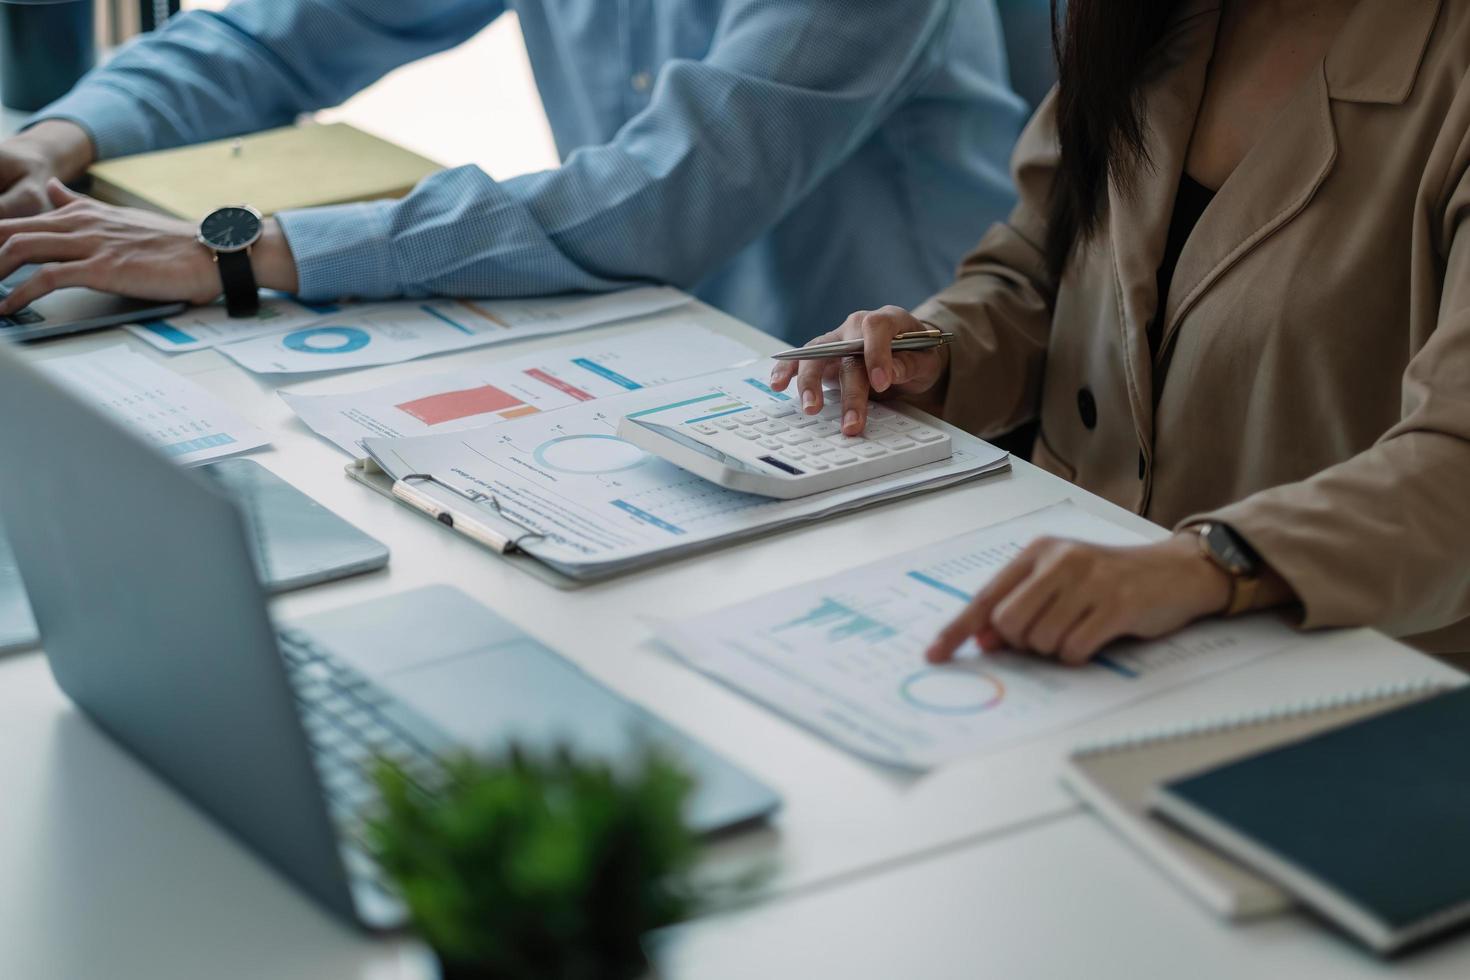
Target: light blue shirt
{"x":788,"y":161}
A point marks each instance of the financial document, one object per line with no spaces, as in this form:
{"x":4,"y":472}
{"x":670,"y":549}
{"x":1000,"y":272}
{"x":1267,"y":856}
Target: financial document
{"x":369,"y":335}
{"x":179,"y":418}
{"x":590,"y":504}
{"x":539,"y":382}
{"x":202,"y":327}
{"x":844,"y":656}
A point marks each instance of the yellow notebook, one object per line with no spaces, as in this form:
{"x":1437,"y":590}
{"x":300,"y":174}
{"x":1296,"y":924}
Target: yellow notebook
{"x":279,"y":169}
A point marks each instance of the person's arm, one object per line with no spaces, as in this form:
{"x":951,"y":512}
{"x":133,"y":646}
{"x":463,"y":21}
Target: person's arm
{"x":726,"y":146}
{"x":1000,"y":304}
{"x":999,"y":308}
{"x":1383,"y":538}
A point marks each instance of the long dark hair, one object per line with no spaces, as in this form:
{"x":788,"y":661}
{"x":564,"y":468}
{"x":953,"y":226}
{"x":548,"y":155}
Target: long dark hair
{"x":1101,"y":48}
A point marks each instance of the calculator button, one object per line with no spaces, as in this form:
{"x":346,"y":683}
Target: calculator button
{"x":901,"y":423}
{"x":830,"y":410}
{"x":801,"y":421}
{"x":816,"y":447}
{"x":825,"y":429}
{"x":874,"y":431}
{"x":897,"y":442}
{"x":727,"y":423}
{"x":770,"y":427}
{"x":794,"y":438}
{"x":771,"y":443}
{"x":922,"y":434}
{"x":749,"y":418}
{"x":794,"y":453}
{"x":845,"y":442}
{"x":704,"y":429}
{"x":779,"y":411}
{"x":813,"y":463}
{"x":747,"y":433}
{"x":870,"y":450}
{"x":880,"y":413}
{"x":839,"y":458}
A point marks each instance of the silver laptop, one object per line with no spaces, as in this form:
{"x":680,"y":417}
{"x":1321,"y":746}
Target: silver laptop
{"x":75,"y":310}
{"x":154,"y":623}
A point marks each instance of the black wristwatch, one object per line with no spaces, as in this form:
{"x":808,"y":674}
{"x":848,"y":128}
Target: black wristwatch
{"x":1230,"y":553}
{"x":228,"y":233}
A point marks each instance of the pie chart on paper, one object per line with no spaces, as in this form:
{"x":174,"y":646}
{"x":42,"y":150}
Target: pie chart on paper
{"x":327,"y":340}
{"x":587,"y":455}
{"x":952,"y":691}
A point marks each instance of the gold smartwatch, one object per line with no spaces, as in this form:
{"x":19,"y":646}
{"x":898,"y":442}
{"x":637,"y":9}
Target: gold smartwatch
{"x":1229,"y":553}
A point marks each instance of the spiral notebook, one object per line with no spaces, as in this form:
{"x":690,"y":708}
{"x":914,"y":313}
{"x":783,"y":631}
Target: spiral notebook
{"x":1117,"y":778}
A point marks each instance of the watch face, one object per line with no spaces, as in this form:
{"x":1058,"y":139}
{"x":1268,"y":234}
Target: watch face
{"x":1230,"y":551}
{"x":230,"y":229}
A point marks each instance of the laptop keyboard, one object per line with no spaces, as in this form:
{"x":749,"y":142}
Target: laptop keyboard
{"x":23,"y":318}
{"x":353,"y":726}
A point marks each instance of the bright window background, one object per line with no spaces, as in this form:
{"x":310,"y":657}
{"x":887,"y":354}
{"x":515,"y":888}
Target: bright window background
{"x":422,"y":106}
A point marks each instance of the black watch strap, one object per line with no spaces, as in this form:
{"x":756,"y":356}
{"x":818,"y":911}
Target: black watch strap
{"x":242,"y":297}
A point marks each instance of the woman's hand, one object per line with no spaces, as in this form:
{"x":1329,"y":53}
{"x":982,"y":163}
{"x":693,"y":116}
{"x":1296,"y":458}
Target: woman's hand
{"x":1068,"y":600}
{"x":128,"y":251}
{"x":880,"y":369}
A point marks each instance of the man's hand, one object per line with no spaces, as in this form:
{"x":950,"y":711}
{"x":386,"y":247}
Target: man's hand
{"x":128,"y":251}
{"x":51,"y":150}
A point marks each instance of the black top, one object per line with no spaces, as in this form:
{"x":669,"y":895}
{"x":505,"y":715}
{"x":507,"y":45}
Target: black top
{"x":1189,"y":204}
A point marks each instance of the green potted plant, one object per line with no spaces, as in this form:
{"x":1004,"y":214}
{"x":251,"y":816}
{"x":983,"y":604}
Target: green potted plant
{"x":542,"y":866}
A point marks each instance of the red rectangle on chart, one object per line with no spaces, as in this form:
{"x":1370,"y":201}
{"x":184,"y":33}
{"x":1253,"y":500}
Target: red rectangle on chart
{"x":449,"y":406}
{"x":560,"y":385}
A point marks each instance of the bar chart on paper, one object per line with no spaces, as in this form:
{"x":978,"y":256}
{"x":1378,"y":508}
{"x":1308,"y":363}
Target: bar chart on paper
{"x":505,"y":390}
{"x":843,"y":656}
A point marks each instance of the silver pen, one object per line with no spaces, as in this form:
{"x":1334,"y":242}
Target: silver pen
{"x":912,"y":340}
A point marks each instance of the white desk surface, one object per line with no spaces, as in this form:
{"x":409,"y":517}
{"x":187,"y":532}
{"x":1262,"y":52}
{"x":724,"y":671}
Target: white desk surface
{"x":108,"y":873}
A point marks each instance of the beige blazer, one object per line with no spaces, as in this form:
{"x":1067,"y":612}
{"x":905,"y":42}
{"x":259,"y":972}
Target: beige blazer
{"x":1313,"y":384}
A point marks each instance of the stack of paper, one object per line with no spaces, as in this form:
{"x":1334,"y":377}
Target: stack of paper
{"x":181,"y":419}
{"x":590,"y":505}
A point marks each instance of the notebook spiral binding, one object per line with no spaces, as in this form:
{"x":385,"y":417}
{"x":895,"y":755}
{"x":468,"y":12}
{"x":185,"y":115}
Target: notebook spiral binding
{"x":1423,"y":686}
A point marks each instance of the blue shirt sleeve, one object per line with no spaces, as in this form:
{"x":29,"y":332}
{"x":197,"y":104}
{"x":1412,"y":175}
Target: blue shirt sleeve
{"x":726,"y":146}
{"x":254,"y":65}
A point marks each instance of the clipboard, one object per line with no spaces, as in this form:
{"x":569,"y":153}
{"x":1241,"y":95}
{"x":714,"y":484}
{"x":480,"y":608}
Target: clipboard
{"x":495,"y":531}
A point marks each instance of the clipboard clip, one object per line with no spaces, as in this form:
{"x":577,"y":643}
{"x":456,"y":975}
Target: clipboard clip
{"x":478,"y":531}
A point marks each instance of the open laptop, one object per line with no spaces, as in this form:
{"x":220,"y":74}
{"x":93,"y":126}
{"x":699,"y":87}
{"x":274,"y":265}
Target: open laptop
{"x":154,"y":622}
{"x":74,"y":310}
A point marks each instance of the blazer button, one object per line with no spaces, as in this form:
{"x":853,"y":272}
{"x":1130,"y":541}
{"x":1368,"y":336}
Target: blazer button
{"x":1087,"y":407}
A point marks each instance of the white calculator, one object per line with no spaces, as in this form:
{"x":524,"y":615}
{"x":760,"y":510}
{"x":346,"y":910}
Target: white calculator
{"x":774,"y":449}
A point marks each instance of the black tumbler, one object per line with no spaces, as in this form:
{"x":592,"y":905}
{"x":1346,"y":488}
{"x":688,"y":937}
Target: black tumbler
{"x":45,"y":47}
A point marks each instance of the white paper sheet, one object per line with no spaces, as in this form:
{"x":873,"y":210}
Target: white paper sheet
{"x":538,"y":382}
{"x":844,"y":656}
{"x":599,"y":504}
{"x":181,"y":419}
{"x":365,"y":336}
{"x":203,"y":327}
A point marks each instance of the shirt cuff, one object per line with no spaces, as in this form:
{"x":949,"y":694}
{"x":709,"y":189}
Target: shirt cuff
{"x":343,"y":251}
{"x":111,"y":118}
